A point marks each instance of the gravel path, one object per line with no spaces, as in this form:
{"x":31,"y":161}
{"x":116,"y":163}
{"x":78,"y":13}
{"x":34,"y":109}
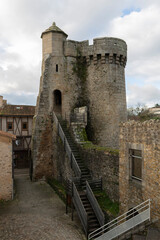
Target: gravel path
{"x":36,"y":213}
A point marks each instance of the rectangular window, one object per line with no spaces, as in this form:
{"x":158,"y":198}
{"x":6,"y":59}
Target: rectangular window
{"x":98,"y":56}
{"x":9,"y":126}
{"x":136,"y":164}
{"x":91,"y":57}
{"x":56,"y":67}
{"x":24,"y":126}
{"x":107,"y":57}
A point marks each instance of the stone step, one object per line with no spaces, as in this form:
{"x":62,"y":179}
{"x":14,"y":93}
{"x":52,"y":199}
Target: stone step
{"x":91,"y":229}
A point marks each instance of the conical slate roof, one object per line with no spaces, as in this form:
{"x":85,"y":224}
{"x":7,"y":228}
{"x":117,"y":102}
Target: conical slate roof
{"x":53,"y":28}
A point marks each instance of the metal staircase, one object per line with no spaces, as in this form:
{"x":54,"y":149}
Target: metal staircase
{"x":80,"y":188}
{"x":124,"y":223}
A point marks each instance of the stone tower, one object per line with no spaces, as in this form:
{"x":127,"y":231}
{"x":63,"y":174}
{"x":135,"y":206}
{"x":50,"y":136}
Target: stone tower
{"x":76,"y":74}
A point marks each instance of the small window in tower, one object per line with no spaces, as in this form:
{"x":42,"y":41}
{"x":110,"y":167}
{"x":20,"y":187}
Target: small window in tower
{"x":56,"y":67}
{"x":98,"y":56}
{"x":114,"y":58}
{"x":107,"y":57}
{"x":91,"y":57}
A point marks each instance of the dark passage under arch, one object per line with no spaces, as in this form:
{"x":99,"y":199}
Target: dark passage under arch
{"x":57,"y":104}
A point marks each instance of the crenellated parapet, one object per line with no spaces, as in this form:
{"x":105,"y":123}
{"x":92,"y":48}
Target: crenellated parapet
{"x":104,"y":51}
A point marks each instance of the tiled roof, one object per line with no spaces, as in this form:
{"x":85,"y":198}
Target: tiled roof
{"x":6,"y":134}
{"x":12,"y":110}
{"x":54,"y":28}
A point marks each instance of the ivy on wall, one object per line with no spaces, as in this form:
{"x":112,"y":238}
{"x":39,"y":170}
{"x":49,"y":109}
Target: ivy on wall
{"x":80,"y":67}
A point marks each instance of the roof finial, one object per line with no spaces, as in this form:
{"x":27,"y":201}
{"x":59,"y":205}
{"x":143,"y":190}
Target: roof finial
{"x":54,"y":24}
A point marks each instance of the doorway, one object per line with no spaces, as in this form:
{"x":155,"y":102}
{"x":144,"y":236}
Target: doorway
{"x":57,"y":104}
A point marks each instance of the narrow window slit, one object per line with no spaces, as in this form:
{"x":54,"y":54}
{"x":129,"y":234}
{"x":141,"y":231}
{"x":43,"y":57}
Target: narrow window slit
{"x":56,"y":67}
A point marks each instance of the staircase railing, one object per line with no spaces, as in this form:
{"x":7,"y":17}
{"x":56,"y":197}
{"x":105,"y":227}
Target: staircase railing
{"x":80,"y":209}
{"x":67,"y":148}
{"x":123,"y":223}
{"x":69,"y":184}
{"x":95,"y":205}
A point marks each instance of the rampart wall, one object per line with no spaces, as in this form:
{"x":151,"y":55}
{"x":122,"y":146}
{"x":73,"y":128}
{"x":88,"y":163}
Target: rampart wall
{"x":143,"y":136}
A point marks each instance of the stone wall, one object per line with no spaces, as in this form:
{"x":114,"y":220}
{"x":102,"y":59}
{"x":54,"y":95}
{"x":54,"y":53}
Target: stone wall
{"x":51,"y":159}
{"x":43,"y":148}
{"x":103,"y":164}
{"x":144,"y":136}
{"x":6,"y":180}
{"x":61,"y":163}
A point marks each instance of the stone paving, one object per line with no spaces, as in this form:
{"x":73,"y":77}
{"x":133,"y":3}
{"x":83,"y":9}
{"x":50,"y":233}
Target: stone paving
{"x":36,"y":213}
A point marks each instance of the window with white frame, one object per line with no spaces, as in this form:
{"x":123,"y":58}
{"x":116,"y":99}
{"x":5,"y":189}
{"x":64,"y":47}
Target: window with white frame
{"x":136,"y":164}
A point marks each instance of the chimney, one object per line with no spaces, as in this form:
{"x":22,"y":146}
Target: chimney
{"x":1,"y":101}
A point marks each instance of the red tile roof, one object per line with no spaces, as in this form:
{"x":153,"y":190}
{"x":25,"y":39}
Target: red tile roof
{"x":20,"y":110}
{"x":6,"y":134}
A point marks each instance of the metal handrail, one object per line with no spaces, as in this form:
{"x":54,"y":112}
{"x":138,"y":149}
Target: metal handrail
{"x":93,"y":201}
{"x":123,"y":223}
{"x":75,"y":166}
{"x":80,"y":209}
{"x":55,"y":119}
{"x":68,"y":150}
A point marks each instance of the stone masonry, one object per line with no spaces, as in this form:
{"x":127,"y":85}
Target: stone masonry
{"x":75,"y":74}
{"x":6,"y":180}
{"x":143,"y":136}
{"x":105,"y":165}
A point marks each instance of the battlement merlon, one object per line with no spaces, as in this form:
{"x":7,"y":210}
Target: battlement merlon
{"x":113,"y":47}
{"x":108,"y":49}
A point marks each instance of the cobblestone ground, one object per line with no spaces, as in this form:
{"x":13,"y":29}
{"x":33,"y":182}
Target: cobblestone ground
{"x":36,"y":213}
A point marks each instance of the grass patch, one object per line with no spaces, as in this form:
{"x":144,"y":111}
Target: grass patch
{"x":4,"y":202}
{"x":58,"y":188}
{"x":106,"y":204}
{"x":90,"y":145}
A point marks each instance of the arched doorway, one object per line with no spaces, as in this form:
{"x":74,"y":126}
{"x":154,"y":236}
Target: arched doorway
{"x":57,"y":104}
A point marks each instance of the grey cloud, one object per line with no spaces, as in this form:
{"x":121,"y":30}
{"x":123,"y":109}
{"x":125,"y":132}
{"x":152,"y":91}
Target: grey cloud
{"x":21,"y":24}
{"x":147,"y":94}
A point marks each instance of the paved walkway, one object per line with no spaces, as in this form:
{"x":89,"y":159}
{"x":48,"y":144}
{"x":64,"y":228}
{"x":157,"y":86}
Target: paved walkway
{"x":36,"y":213}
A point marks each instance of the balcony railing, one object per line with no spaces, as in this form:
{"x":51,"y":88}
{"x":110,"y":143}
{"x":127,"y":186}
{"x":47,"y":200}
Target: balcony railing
{"x":123,"y":223}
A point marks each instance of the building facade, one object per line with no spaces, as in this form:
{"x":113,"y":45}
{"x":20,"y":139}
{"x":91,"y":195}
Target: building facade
{"x":76,"y":74}
{"x":17,"y":120}
{"x":139,"y":165}
{"x":6,"y":158}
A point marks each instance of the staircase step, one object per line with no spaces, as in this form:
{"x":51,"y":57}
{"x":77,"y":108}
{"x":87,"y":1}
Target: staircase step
{"x":94,"y":225}
{"x":92,"y":229}
{"x":87,"y":204}
{"x":90,"y":218}
{"x":90,"y":211}
{"x":79,"y":160}
{"x":84,"y":199}
{"x":84,"y":170}
{"x":94,"y":221}
{"x":86,"y":176}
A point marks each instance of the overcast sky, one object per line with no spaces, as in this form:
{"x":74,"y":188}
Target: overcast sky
{"x":135,"y":21}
